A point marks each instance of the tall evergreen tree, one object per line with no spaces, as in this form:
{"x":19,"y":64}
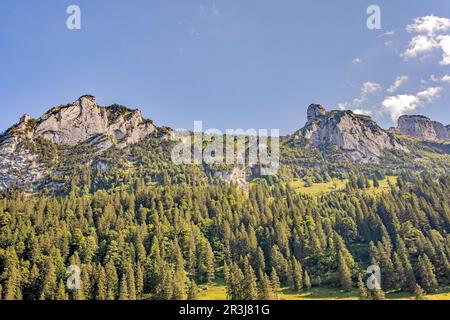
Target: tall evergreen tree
{"x":426,"y":274}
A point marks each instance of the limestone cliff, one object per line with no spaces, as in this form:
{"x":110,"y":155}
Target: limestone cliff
{"x":422,"y":127}
{"x":358,"y":137}
{"x":81,"y":122}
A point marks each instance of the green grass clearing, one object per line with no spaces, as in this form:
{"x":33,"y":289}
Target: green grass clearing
{"x":317,"y":189}
{"x":218,"y":292}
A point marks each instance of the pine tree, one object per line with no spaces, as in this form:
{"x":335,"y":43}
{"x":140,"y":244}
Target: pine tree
{"x":377,"y":294}
{"x":307,"y":280}
{"x":139,"y":281}
{"x":123,"y":291}
{"x":426,"y":274}
{"x":49,"y":285}
{"x":409,"y":282}
{"x":111,"y":281}
{"x":297,"y":275}
{"x":12,"y":288}
{"x":419,"y":293}
{"x":192,"y":290}
{"x":250,"y":288}
{"x":101,"y":291}
{"x":265,"y":290}
{"x":345,"y":274}
{"x":363,"y":293}
{"x":275,"y":283}
{"x":61,"y":292}
{"x":210,"y":272}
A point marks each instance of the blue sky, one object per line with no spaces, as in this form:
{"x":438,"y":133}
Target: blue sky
{"x":231,"y":63}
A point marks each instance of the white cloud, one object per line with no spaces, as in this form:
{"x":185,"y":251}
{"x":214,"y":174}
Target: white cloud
{"x":429,"y":25}
{"x":401,"y":104}
{"x":363,"y":112}
{"x":430,"y":94}
{"x":429,"y":37}
{"x":370,"y":87}
{"x":356,"y":61}
{"x":445,"y":78}
{"x":418,"y":45}
{"x":356,"y":104}
{"x":444,"y":42}
{"x":398,"y":83}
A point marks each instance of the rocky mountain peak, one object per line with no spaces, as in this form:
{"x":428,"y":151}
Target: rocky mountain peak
{"x":85,"y":121}
{"x":422,"y":127}
{"x":314,"y":111}
{"x":357,"y":137}
{"x":25,"y":118}
{"x":80,"y":122}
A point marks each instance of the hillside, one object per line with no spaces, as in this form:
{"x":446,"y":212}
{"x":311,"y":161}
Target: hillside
{"x":86,"y":144}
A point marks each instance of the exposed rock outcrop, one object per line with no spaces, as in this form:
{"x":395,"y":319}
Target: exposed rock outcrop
{"x":422,"y":127}
{"x":357,"y":137}
{"x":85,"y":121}
{"x":314,"y":111}
{"x":81,"y":122}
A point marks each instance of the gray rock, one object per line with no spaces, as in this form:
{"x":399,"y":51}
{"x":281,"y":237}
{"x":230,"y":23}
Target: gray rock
{"x":85,"y":121}
{"x":356,"y":136}
{"x":81,"y":122}
{"x":314,"y":111}
{"x":422,"y":127}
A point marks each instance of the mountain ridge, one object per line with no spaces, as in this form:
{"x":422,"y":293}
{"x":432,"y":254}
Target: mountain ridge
{"x":361,"y":138}
{"x":422,"y":127}
{"x":81,"y":133}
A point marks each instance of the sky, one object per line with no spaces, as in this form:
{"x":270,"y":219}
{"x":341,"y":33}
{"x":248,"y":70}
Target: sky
{"x":229,"y":63}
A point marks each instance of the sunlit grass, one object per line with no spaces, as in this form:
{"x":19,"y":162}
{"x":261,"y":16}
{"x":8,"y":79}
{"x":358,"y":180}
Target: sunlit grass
{"x":317,"y":189}
{"x":218,"y":292}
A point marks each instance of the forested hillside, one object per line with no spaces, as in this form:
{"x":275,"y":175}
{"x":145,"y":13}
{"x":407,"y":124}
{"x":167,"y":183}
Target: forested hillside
{"x":163,"y":241}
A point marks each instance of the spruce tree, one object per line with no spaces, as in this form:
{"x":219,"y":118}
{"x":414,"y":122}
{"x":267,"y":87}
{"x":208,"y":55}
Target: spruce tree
{"x":123,"y":291}
{"x":307,"y":280}
{"x":192,"y":290}
{"x":61,"y":292}
{"x":297,"y":275}
{"x":275,"y":283}
{"x":101,"y":290}
{"x":12,"y":289}
{"x":419,"y":293}
{"x":265,"y":290}
{"x":426,"y":274}
{"x":345,"y":275}
{"x":363,"y":293}
{"x":250,"y":287}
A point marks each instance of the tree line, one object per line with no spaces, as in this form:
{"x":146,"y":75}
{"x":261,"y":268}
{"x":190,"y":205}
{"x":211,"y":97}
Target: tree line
{"x":163,"y":242}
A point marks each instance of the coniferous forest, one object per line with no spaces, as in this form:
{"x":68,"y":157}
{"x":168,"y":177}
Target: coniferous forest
{"x":165,"y":242}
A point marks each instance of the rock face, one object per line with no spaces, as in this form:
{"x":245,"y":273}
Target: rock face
{"x":81,"y":122}
{"x":314,"y":111}
{"x":357,"y":137}
{"x":423,"y":128}
{"x":17,"y":163}
{"x":85,"y":121}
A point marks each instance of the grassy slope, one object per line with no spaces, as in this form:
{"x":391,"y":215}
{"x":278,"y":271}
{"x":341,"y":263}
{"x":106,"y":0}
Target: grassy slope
{"x":218,"y":292}
{"x":336,"y":185}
